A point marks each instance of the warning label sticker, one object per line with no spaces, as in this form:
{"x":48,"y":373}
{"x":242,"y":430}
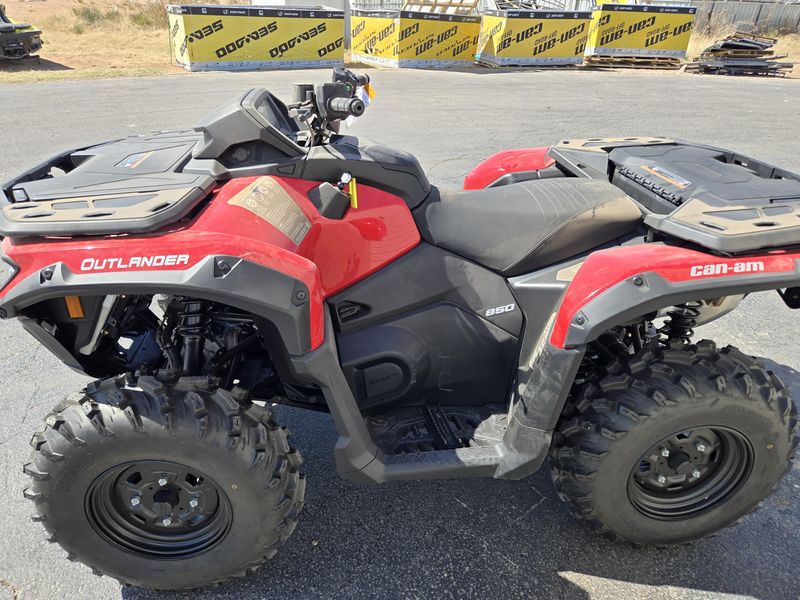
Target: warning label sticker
{"x":268,"y":200}
{"x":134,"y":160}
{"x":668,"y":176}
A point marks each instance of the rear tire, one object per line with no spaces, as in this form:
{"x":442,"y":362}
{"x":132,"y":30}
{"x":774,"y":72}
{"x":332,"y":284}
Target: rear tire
{"x":165,"y":486}
{"x":687,"y":442}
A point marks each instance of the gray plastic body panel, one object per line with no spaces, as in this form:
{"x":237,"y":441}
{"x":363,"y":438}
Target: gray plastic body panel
{"x":539,"y":296}
{"x":62,"y":160}
{"x":44,"y":337}
{"x":136,"y":164}
{"x":359,"y":459}
{"x":670,"y":174}
{"x":125,"y":174}
{"x":248,"y":286}
{"x":394,"y":171}
{"x":255,"y":115}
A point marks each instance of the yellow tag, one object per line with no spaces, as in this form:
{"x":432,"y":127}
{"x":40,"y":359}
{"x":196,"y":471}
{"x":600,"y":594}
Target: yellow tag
{"x":370,"y":91}
{"x":353,"y":193}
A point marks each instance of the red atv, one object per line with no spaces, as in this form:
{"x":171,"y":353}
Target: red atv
{"x":548,"y":311}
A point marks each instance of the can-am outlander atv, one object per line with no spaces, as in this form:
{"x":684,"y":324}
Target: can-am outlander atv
{"x":263,"y":258}
{"x":17,"y":40}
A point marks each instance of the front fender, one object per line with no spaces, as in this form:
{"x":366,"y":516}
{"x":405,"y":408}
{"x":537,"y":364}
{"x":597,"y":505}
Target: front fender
{"x":284,"y":301}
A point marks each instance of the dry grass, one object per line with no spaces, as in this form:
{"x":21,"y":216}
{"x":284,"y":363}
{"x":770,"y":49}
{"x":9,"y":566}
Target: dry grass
{"x":94,"y":38}
{"x":701,"y":40}
{"x":790,"y":44}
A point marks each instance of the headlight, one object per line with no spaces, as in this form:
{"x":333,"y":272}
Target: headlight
{"x":7,"y":271}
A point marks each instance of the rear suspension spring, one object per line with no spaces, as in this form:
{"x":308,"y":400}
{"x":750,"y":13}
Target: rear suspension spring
{"x":681,"y":322}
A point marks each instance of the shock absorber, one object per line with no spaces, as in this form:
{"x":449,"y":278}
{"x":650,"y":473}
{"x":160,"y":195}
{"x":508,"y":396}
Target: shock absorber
{"x":681,"y":322}
{"x":192,"y":326}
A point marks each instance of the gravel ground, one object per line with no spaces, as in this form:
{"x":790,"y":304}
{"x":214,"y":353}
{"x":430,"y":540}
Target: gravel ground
{"x":465,"y":539}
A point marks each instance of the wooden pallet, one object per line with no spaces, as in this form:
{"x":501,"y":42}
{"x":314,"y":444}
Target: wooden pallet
{"x":753,"y":68}
{"x":442,"y":7}
{"x":516,"y":5}
{"x":633,"y":62}
{"x":736,"y":53}
{"x":738,"y":71}
{"x":531,"y":67}
{"x":752,"y":36}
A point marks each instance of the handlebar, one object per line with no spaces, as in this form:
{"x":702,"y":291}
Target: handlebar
{"x":323,"y":105}
{"x":350,"y":106}
{"x":346,"y":76}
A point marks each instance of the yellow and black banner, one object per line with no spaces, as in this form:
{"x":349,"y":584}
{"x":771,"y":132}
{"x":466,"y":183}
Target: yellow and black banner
{"x":430,"y":39}
{"x":373,"y":36}
{"x":220,"y":38}
{"x":413,"y":39}
{"x":639,"y":30}
{"x":533,"y":37}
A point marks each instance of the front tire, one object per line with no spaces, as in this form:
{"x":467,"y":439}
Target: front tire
{"x":689,"y":440}
{"x":165,"y":486}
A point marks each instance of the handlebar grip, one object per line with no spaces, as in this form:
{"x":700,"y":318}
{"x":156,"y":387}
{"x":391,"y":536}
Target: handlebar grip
{"x":362,"y":79}
{"x":349,"y":106}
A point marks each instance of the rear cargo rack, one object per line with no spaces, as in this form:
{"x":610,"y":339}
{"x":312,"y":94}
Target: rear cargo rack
{"x":732,"y":229}
{"x":718,"y":199}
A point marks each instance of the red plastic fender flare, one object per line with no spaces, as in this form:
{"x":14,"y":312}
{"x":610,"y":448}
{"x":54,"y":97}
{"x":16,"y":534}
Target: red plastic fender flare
{"x":508,"y":161}
{"x":604,"y":269}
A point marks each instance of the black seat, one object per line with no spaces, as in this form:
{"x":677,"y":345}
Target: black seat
{"x":518,"y":228}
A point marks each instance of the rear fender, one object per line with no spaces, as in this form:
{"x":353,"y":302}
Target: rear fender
{"x":617,"y":285}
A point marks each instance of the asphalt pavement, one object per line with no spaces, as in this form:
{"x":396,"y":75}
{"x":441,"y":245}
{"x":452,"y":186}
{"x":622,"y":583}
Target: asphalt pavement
{"x":448,"y":539}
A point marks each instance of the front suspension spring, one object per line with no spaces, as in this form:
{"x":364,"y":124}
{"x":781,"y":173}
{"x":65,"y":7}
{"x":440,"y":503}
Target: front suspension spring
{"x":193,"y":324}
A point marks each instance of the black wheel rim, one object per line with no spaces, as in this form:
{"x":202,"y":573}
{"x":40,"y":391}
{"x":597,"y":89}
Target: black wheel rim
{"x":158,"y":509}
{"x":690,"y":472}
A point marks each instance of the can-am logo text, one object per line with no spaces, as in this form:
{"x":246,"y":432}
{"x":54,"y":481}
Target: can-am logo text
{"x":755,"y":266}
{"x":134,"y":262}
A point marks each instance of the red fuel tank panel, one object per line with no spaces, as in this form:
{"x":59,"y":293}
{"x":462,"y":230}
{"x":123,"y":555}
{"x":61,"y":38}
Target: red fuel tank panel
{"x":368,"y":237}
